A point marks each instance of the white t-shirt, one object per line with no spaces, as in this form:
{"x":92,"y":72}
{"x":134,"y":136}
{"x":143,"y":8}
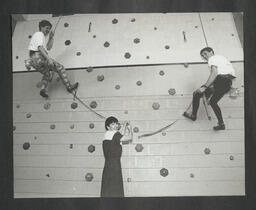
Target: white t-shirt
{"x":38,"y":39}
{"x":223,"y":64}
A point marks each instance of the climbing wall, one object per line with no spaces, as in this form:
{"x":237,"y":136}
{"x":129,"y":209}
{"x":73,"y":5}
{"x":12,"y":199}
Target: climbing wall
{"x":132,"y":39}
{"x":58,"y":142}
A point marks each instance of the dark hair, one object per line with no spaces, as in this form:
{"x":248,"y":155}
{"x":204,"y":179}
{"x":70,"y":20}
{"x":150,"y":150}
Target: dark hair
{"x":208,"y":49}
{"x":110,"y":120}
{"x":44,"y":23}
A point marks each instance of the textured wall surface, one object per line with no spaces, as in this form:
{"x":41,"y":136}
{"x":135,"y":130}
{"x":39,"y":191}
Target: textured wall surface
{"x":53,"y":141}
{"x":131,"y":39}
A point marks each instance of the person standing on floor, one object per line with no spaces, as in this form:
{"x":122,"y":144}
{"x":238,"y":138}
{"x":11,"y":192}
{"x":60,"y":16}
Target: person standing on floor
{"x":217,"y":85}
{"x":40,"y":43}
{"x":112,"y":179}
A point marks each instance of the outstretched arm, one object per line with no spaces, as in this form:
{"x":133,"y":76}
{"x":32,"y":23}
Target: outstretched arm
{"x":50,"y":41}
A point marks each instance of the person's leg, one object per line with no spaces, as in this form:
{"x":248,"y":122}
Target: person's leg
{"x":63,"y":75}
{"x":44,"y":85}
{"x":221,"y":88}
{"x":195,"y":106}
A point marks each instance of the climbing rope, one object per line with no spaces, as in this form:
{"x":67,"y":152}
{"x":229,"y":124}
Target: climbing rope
{"x":57,"y":24}
{"x":88,"y":107}
{"x":164,"y":128}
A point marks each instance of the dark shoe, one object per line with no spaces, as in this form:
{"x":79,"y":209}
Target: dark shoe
{"x":189,"y":116}
{"x":219,"y":127}
{"x":43,"y":93}
{"x":72,"y":87}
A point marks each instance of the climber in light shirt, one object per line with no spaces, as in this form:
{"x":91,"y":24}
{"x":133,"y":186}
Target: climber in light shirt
{"x":218,"y":84}
{"x":40,"y":43}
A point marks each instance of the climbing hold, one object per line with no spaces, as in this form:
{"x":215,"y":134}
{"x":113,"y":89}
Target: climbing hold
{"x":17,"y":106}
{"x":35,"y":138}
{"x":74,"y":105}
{"x":135,"y":129}
{"x":232,"y":34}
{"x":155,"y":28}
{"x":78,"y":53}
{"x":231,"y":157}
{"x":94,"y":36}
{"x":207,"y":151}
{"x":212,"y":18}
{"x":164,"y":133}
{"x":48,"y":175}
{"x":192,"y":175}
{"x":100,"y":78}
{"x":127,"y":55}
{"x":115,"y":21}
{"x":89,"y":69}
{"x":17,"y":57}
{"x":126,"y":111}
{"x":117,"y":87}
{"x":67,"y":42}
{"x":89,"y":177}
{"x":66,"y":25}
{"x":28,"y":115}
{"x":71,"y":146}
{"x":72,"y":126}
{"x":106,"y":44}
{"x":185,"y":65}
{"x":139,"y":83}
{"x":26,"y":145}
{"x":136,"y":40}
{"x":93,"y":104}
{"x":234,"y":93}
{"x":148,"y":57}
{"x":155,"y":106}
{"x":133,"y":20}
{"x":52,"y":126}
{"x":139,"y":147}
{"x":164,"y":172}
{"x":129,"y":179}
{"x":167,"y":47}
{"x":161,"y":73}
{"x":91,"y":125}
{"x":172,"y":91}
{"x":14,"y":128}
{"x":196,"y":26}
{"x":47,"y":106}
{"x":29,"y":36}
{"x":91,"y":148}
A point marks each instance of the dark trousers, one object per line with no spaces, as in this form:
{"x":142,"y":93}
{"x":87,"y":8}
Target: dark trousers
{"x":221,"y":85}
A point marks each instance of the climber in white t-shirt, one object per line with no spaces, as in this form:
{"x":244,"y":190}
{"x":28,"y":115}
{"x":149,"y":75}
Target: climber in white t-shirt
{"x":40,"y":43}
{"x":218,"y":84}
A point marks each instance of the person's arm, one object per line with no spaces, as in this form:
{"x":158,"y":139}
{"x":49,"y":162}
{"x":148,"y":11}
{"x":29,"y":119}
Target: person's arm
{"x":50,"y":41}
{"x":45,"y":54}
{"x":210,"y":80}
{"x":126,"y":131}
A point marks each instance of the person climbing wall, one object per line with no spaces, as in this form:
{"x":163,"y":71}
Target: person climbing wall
{"x":219,"y":82}
{"x":42,"y":62}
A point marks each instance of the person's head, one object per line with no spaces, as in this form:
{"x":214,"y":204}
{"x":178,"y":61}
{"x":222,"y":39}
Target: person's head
{"x":206,"y":53}
{"x":111,"y":124}
{"x":45,"y":26}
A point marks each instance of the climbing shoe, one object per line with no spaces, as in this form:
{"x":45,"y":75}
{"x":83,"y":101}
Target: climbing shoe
{"x":43,"y":93}
{"x":72,"y":87}
{"x":219,"y":127}
{"x":189,"y":116}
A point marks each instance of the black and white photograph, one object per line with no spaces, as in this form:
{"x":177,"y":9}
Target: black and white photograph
{"x":128,"y":105}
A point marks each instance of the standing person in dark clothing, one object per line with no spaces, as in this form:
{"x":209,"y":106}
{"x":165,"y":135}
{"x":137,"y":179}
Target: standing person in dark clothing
{"x":219,"y":82}
{"x":112,"y":180}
